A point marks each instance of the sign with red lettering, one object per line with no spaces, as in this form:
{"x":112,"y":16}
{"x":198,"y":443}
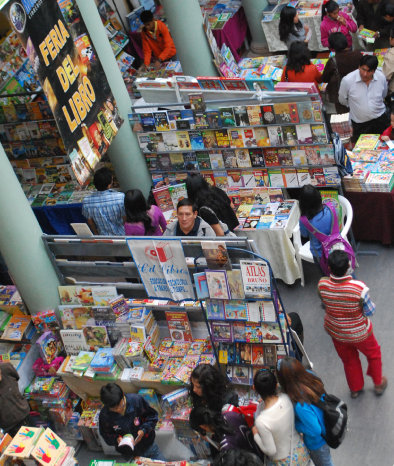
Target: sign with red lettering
{"x":59,"y":48}
{"x":256,"y":279}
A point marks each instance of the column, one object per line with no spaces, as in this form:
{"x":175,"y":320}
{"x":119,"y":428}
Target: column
{"x":124,"y":152}
{"x":185,"y":21}
{"x":21,"y":244}
{"x":253,"y":11}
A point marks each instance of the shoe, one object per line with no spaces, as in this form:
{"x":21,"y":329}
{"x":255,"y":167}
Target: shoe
{"x":379,"y":389}
{"x":356,"y":394}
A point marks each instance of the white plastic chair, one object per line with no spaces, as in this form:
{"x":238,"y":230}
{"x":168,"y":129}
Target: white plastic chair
{"x":303,"y":251}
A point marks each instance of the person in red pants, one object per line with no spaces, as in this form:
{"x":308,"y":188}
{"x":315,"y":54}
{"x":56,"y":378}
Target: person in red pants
{"x":348,"y":305}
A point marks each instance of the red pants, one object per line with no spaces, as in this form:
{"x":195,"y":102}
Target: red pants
{"x":348,"y":352}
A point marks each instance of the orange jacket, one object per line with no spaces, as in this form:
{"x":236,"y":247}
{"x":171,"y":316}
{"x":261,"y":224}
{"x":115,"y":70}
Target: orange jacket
{"x":162,"y":47}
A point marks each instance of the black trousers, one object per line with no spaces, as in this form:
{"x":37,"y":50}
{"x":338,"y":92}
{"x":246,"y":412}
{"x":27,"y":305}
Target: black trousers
{"x":375,"y":126}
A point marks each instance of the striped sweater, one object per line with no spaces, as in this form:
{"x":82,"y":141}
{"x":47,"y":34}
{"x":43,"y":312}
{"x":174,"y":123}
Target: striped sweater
{"x":343,"y":300}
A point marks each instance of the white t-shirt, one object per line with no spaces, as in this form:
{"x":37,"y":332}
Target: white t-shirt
{"x":275,"y":426}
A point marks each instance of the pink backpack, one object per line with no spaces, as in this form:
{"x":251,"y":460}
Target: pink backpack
{"x":330,"y":242}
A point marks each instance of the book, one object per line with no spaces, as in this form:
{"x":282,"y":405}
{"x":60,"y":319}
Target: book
{"x":238,"y":329}
{"x":258,"y":355}
{"x":256,"y":157}
{"x":268,"y":115}
{"x":271,"y":158}
{"x":304,"y":134}
{"x":270,"y":333}
{"x":229,"y":158}
{"x":234,"y":281}
{"x":209,"y":139}
{"x":197,"y":102}
{"x":235,"y":310}
{"x":275,"y":134}
{"x":367,"y":141}
{"x":190,"y":161}
{"x":172,"y":116}
{"x":254,"y":115}
{"x":102,"y":295}
{"x":16,"y":327}
{"x":319,"y":134}
{"x":213,"y":118}
{"x":188,"y":115}
{"x":236,"y":138}
{"x":221,"y":331}
{"x":255,"y":278}
{"x":284,"y":156}
{"x":240,"y":375}
{"x":222,"y":138}
{"x":73,"y":341}
{"x":241,"y":116}
{"x":227,"y":116}
{"x":201,"y":121}
{"x":270,"y":356}
{"x":161,"y":121}
{"x":170,"y":141}
{"x":267,"y":311}
{"x":216,"y":255}
{"x":305,"y":112}
{"x":203,"y":160}
{"x":196,"y":140}
{"x":284,"y":114}
{"x":243,"y":353}
{"x":177,"y":161}
{"x":23,"y":442}
{"x":49,"y":448}
{"x":147,"y":121}
{"x":183,"y":140}
{"x":243,"y":159}
{"x":200,"y":282}
{"x":215,"y":309}
{"x":179,"y":326}
{"x":217,"y":284}
{"x":49,"y":346}
{"x":289,"y":135}
{"x":67,"y":317}
{"x":83,"y":360}
{"x":96,"y":336}
{"x":216,"y":160}
{"x":103,"y":360}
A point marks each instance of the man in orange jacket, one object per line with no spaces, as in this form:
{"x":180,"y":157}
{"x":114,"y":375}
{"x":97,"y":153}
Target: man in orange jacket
{"x":156,"y":40}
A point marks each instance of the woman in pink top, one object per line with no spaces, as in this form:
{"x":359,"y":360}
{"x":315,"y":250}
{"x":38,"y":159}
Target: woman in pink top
{"x":141,"y":218}
{"x":334,"y":20}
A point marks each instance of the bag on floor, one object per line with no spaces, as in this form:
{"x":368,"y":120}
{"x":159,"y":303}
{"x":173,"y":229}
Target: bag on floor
{"x":330,"y":242}
{"x":335,"y":419}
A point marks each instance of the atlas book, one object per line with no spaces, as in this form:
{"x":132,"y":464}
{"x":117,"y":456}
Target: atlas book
{"x":255,"y":278}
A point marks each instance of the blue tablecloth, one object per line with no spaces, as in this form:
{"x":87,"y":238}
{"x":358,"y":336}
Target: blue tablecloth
{"x":55,"y":220}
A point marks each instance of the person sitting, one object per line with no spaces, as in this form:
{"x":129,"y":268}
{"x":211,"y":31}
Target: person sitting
{"x":299,"y":67}
{"x":318,"y":215}
{"x":274,"y":430}
{"x":388,"y":134}
{"x":344,"y":62}
{"x":388,"y":64}
{"x":125,"y":415}
{"x":188,"y":223}
{"x":156,"y":40}
{"x":141,"y":218}
{"x":290,"y":27}
{"x":334,"y":20}
{"x":104,"y":209}
{"x":213,"y":204}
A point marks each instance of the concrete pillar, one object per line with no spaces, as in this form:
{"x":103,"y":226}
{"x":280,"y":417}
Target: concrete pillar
{"x":185,"y":21}
{"x":21,"y":245}
{"x":125,"y":154}
{"x":253,"y":11}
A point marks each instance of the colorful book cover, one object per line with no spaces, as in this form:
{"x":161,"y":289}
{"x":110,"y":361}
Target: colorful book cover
{"x":367,"y":141}
{"x":256,"y":157}
{"x":258,"y":355}
{"x":289,"y":135}
{"x":222,"y":138}
{"x":305,"y":112}
{"x":243,"y":159}
{"x":215,"y":309}
{"x":312,"y":155}
{"x":255,"y":278}
{"x":49,"y":448}
{"x":317,"y":113}
{"x":235,"y":310}
{"x":200,"y":282}
{"x":275,"y":134}
{"x":179,"y":326}
{"x":221,"y":331}
{"x":298,"y":156}
{"x":161,"y":121}
{"x":209,"y":139}
{"x":319,"y":134}
{"x":268,"y":115}
{"x":317,"y":176}
{"x":238,"y":329}
{"x":236,"y":138}
{"x":23,"y":442}
{"x":241,"y":116}
{"x":213,"y":118}
{"x":243,"y":353}
{"x":221,"y":180}
{"x":103,"y":360}
{"x":271,"y":333}
{"x":227,"y":116}
{"x":216,"y":255}
{"x":204,"y":162}
{"x":102,"y":295}
{"x":188,"y":114}
{"x":234,"y":281}
{"x":96,"y":336}
{"x":217,"y":284}
{"x":284,"y":156}
{"x":147,"y":122}
{"x":229,"y":158}
{"x":16,"y":327}
{"x":271,"y":158}
{"x":172,"y":116}
{"x":240,"y":375}
{"x":190,"y":162}
{"x":254,"y":115}
{"x":183,"y":140}
{"x":196,"y":140}
{"x":197,"y":102}
{"x":216,"y":160}
{"x":83,"y":360}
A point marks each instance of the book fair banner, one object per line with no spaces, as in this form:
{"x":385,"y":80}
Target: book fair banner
{"x":162,"y":268}
{"x":63,"y":57}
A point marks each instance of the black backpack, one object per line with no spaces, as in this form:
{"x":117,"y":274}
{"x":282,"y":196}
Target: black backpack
{"x":335,"y":419}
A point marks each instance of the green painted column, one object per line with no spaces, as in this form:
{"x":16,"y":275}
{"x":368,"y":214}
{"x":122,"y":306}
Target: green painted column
{"x":185,"y":21}
{"x":125,"y":154}
{"x":253,"y":11}
{"x":21,"y":245}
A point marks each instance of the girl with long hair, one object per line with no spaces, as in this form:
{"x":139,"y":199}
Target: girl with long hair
{"x":334,"y":20}
{"x":299,"y":67}
{"x":141,"y":218}
{"x":290,"y":27}
{"x":305,"y":389}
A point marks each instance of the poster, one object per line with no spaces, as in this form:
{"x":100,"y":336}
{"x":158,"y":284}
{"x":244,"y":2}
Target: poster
{"x":61,"y":53}
{"x":162,"y":268}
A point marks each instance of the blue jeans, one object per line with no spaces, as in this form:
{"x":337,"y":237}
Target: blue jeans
{"x":321,"y":456}
{"x":154,"y":453}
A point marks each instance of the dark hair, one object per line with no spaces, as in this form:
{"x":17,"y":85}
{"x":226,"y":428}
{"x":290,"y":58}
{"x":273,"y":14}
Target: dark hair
{"x":213,"y":384}
{"x":369,"y":60}
{"x":388,"y":10}
{"x":392,"y":32}
{"x":146,"y":16}
{"x":329,"y":7}
{"x":299,"y":384}
{"x":111,"y":395}
{"x":286,"y":23}
{"x":136,"y":209}
{"x":237,"y":457}
{"x":202,"y":415}
{"x":310,"y":201}
{"x":338,"y":262}
{"x":265,"y":383}
{"x":299,"y":56}
{"x":202,"y":194}
{"x":186,"y":202}
{"x":102,"y":179}
{"x":337,"y":41}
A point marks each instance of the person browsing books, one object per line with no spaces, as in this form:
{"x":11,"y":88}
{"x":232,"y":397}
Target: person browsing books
{"x":370,"y":14}
{"x":104,"y":209}
{"x":141,"y":218}
{"x":123,"y":415}
{"x":348,"y":306}
{"x":304,"y":390}
{"x":388,"y":64}
{"x":388,"y":133}
{"x":291,"y":28}
{"x":156,"y":40}
{"x":299,"y":67}
{"x":188,"y":222}
{"x":274,"y":431}
{"x":14,"y":409}
{"x":334,"y":20}
{"x":364,"y":91}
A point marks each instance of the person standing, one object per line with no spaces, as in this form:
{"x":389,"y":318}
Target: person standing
{"x":348,"y":305}
{"x":299,"y":68}
{"x":388,"y":63}
{"x":291,"y":28}
{"x":364,"y":91}
{"x":104,"y":209}
{"x":334,"y":20}
{"x":14,"y":408}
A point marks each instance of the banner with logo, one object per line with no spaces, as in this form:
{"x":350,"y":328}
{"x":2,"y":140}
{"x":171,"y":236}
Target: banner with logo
{"x":60,"y":50}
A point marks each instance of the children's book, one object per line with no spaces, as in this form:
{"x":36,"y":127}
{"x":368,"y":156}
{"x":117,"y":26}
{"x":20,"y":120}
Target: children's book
{"x":234,"y":280}
{"x":172,"y":116}
{"x":271,"y":333}
{"x":16,"y":327}
{"x":23,"y":442}
{"x":215,"y":309}
{"x":217,"y":284}
{"x":367,"y":141}
{"x":238,"y":329}
{"x":103,"y":360}
{"x":49,"y":346}
{"x":215,"y":252}
{"x":96,"y":336}
{"x":179,"y":326}
{"x":103,"y":294}
{"x":200,"y":282}
{"x":73,"y":341}
{"x":255,"y":278}
{"x":235,"y":310}
{"x":161,"y":121}
{"x":83,"y":360}
{"x":49,"y":448}
{"x":45,"y":320}
{"x":221,"y":331}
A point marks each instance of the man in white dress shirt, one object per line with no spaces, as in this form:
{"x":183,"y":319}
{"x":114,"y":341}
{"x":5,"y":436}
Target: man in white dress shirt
{"x":363,"y":91}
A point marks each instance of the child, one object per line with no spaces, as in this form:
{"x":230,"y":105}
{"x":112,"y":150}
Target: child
{"x":290,"y":27}
{"x":334,"y":20}
{"x":388,"y":134}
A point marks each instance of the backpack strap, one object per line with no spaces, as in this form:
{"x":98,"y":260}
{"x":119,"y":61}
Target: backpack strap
{"x":315,"y":232}
{"x":334,"y":219}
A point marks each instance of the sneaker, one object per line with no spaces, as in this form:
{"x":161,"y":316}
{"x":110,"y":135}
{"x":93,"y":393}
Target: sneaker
{"x":379,"y":389}
{"x":356,"y":394}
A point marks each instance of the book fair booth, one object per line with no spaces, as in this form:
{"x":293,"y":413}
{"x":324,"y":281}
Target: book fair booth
{"x":146,"y":311}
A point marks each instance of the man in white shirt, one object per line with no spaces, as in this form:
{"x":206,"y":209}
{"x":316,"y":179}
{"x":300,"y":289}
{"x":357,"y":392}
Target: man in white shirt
{"x":363,"y":91}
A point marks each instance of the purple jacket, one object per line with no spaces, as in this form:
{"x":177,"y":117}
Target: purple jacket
{"x":159,"y":224}
{"x":328,"y":26}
